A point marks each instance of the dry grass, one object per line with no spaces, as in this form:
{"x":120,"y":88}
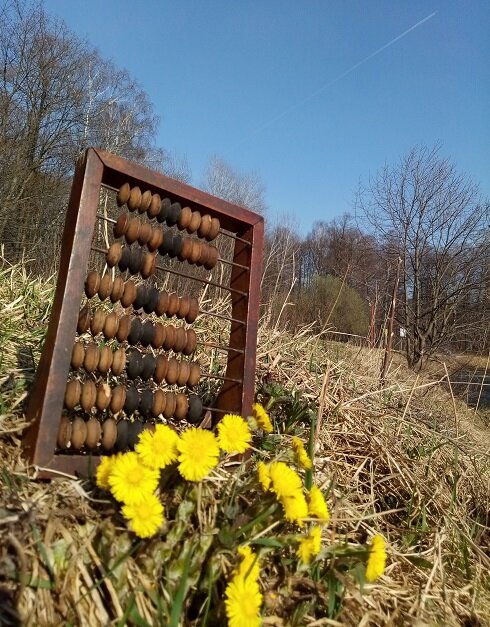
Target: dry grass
{"x":406,"y":461}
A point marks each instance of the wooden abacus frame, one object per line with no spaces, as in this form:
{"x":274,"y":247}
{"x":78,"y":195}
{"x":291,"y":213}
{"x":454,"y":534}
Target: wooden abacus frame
{"x":98,"y":169}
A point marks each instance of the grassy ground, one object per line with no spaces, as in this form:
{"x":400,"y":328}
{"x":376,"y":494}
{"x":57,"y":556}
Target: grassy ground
{"x":408,"y":461}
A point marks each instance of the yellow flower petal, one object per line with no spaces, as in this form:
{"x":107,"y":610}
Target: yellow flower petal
{"x":198,"y":453}
{"x":302,"y":458}
{"x":262,"y":417}
{"x":264,"y":475}
{"x":234,"y":435}
{"x":317,"y":507}
{"x":146,"y":517}
{"x":377,"y":559}
{"x":130,"y":480}
{"x":158,"y":449}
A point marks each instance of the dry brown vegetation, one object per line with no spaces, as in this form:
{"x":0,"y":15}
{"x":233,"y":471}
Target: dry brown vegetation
{"x":407,"y":461}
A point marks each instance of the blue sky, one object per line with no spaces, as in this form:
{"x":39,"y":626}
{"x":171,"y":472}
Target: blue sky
{"x":266,"y":85}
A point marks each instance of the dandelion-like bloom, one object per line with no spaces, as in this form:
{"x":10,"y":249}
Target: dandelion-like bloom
{"x":146,"y":517}
{"x":130,"y":480}
{"x":310,"y":545}
{"x":301,"y":456}
{"x":295,"y":507}
{"x":264,"y":475}
{"x":158,"y":449}
{"x":262,"y":417}
{"x":233,"y":434}
{"x":243,"y":598}
{"x":317,"y":506}
{"x":198,"y":453}
{"x":104,"y":470}
{"x":377,"y":559}
{"x":285,"y":480}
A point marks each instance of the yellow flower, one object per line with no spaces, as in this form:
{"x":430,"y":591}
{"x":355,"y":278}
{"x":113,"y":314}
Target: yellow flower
{"x":302,"y":458}
{"x":199,"y":452}
{"x":262,"y":417}
{"x":249,"y":566}
{"x":243,"y":598}
{"x":310,"y":545}
{"x":285,"y":480}
{"x":295,"y":507}
{"x":233,"y":434}
{"x":103,"y":471}
{"x":377,"y":559}
{"x":264,"y":475}
{"x":146,"y":517}
{"x":130,"y":480}
{"x":158,"y":449}
{"x":317,"y":507}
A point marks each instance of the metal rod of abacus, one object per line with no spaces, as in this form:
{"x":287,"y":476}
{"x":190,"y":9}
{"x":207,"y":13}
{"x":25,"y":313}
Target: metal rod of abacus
{"x":221,"y":347}
{"x":219,"y":411}
{"x":233,"y":263}
{"x":106,"y":218}
{"x":221,"y":316}
{"x":208,"y":375}
{"x":194,"y":278}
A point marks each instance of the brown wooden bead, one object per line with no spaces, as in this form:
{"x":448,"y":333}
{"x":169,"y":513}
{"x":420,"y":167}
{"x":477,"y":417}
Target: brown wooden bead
{"x":91,"y":359}
{"x":133,"y":230}
{"x":195,"y":252}
{"x":105,"y":287}
{"x":160,"y":369}
{"x":92,"y":283}
{"x":113,"y":254}
{"x":204,"y":256}
{"x":144,"y":233}
{"x":184,"y":372}
{"x":180,"y":339}
{"x":155,"y":239}
{"x":121,"y":225}
{"x":170,"y":404}
{"x":158,"y":402}
{"x":162,"y":304}
{"x":169,"y":340}
{"x":77,"y":355}
{"x":184,"y":218}
{"x":212,"y":259}
{"x":214,"y":230}
{"x":148,"y":265}
{"x":118,"y":398}
{"x":181,"y":406}
{"x":193,"y":311}
{"x":97,"y":323}
{"x":88,"y":395}
{"x":123,"y":194}
{"x":194,"y":222}
{"x":64,"y":432}
{"x":191,"y":343}
{"x":185,"y":251}
{"x":134,"y":198}
{"x":103,"y":396}
{"x":173,"y":304}
{"x":78,"y":433}
{"x":109,"y":434}
{"x":105,"y":359}
{"x":72,"y":393}
{"x":194,"y":375}
{"x":93,"y":433}
{"x":111,"y":325}
{"x":145,"y":201}
{"x":117,"y":289}
{"x":84,"y":319}
{"x":184,"y":306}
{"x":129,"y":294}
{"x":154,"y":208}
{"x":118,"y":361}
{"x":123,"y":328}
{"x":172,"y":371}
{"x":158,"y":335}
{"x":205,"y":226}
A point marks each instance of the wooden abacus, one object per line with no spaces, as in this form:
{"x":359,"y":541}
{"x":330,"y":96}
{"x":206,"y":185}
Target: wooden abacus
{"x":105,"y":372}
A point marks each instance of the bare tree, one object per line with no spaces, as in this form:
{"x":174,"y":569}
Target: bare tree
{"x":431,"y":216}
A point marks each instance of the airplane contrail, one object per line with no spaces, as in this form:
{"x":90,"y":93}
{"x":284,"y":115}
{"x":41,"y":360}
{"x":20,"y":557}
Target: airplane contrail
{"x":337,"y":78}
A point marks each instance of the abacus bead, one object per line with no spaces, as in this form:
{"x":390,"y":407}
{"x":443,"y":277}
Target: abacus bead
{"x":212,"y":259}
{"x":172,"y":371}
{"x":134,"y":198}
{"x":149,"y":363}
{"x":123,"y":328}
{"x":129,"y":294}
{"x":121,"y":225}
{"x":118,"y":361}
{"x":181,"y":406}
{"x":118,"y":398}
{"x":135,"y":260}
{"x":162,"y":304}
{"x":144,"y":233}
{"x":111,"y":325}
{"x":176,"y":246}
{"x":195,"y":222}
{"x":88,"y":395}
{"x":97,"y":323}
{"x":77,"y":355}
{"x":155,"y":240}
{"x":83,"y":319}
{"x":145,"y":201}
{"x":146,"y":402}
{"x":185,"y":218}
{"x":173,"y":304}
{"x":191,"y":342}
{"x":113,"y":255}
{"x":151,"y":303}
{"x":214,"y":230}
{"x":64,"y":432}
{"x":184,"y":371}
{"x":148,"y":265}
{"x":141,"y":297}
{"x":164,"y":207}
{"x":193,"y":311}
{"x":123,"y":194}
{"x":154,"y":208}
{"x":184,"y":306}
{"x":170,"y":404}
{"x":194,"y":374}
{"x":133,"y":230}
{"x":122,"y":435}
{"x":158,"y":335}
{"x":195,"y":252}
{"x":173,"y":214}
{"x":132,"y":401}
{"x":134,"y":365}
{"x":92,"y":283}
{"x":93,"y":433}
{"x":78,"y":433}
{"x":105,"y":287}
{"x":91,"y":358}
{"x":169,"y":340}
{"x":167,"y":243}
{"x":160,"y":369}
{"x":186,"y":249}
{"x":72,"y":393}
{"x":134,"y":430}
{"x":117,"y":289}
{"x":205,"y":226}
{"x":204,"y":255}
{"x":158,"y":402}
{"x":147,"y":334}
{"x":103,"y":397}
{"x":135,"y":332}
{"x":123,"y":263}
{"x":109,"y":434}
{"x":195,"y":409}
{"x":180,"y":339}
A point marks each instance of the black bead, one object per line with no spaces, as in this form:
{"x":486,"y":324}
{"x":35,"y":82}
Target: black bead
{"x":135,"y":365}
{"x":122,"y":435}
{"x":135,"y":260}
{"x":148,"y":368}
{"x":124,"y":261}
{"x":147,"y":334}
{"x":135,"y":331}
{"x":195,"y":409}
{"x":152,"y":300}
{"x":167,"y":244}
{"x":164,"y":207}
{"x":176,"y":246}
{"x":132,"y":401}
{"x":135,"y":428}
{"x":146,"y":402}
{"x":141,"y":297}
{"x":173,"y":214}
